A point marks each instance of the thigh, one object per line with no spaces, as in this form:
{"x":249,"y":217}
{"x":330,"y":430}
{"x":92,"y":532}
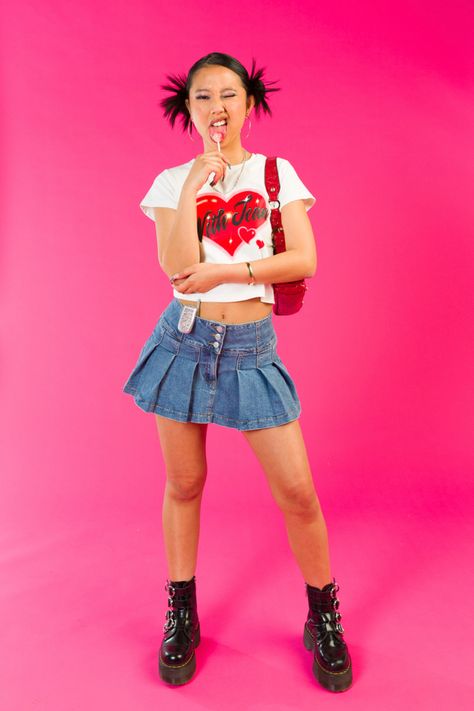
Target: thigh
{"x":281,"y":451}
{"x":183,"y":445}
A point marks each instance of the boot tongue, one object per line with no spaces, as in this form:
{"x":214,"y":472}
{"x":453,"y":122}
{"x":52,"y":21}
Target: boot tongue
{"x":320,"y":599}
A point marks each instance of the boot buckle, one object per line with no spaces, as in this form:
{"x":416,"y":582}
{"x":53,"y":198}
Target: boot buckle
{"x":170,"y":589}
{"x":170,"y":620}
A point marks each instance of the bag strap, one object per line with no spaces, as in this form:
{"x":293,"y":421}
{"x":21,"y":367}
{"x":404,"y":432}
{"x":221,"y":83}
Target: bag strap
{"x":272,"y":185}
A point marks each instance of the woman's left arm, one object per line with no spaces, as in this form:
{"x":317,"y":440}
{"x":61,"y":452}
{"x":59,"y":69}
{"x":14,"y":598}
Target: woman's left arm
{"x":298,"y":261}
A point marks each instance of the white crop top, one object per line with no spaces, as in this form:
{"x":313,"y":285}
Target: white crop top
{"x":233,"y":225}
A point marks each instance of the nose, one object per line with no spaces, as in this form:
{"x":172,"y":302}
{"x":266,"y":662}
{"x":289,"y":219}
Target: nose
{"x":217,"y":107}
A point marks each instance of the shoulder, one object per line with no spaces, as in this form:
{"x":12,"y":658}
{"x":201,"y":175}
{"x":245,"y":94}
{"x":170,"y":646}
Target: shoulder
{"x":181,"y":169}
{"x":174,"y":175}
{"x":283,"y":164}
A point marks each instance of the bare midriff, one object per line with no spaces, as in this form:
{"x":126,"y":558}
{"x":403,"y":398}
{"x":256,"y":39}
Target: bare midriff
{"x":232,"y":311}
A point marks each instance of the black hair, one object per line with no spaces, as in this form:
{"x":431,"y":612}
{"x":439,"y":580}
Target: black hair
{"x":180,"y":85}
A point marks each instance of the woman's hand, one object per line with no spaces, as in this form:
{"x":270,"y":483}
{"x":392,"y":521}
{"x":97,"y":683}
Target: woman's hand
{"x":198,"y":277}
{"x":205,"y":164}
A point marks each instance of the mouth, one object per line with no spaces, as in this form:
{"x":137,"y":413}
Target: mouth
{"x":218,"y":130}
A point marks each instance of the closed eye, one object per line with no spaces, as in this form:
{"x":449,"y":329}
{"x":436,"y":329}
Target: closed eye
{"x":228,"y":96}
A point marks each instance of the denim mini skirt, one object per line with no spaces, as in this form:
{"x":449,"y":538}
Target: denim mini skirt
{"x":229,"y":374}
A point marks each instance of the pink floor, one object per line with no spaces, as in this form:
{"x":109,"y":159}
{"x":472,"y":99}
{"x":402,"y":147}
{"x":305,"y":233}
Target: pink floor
{"x":83,"y":606}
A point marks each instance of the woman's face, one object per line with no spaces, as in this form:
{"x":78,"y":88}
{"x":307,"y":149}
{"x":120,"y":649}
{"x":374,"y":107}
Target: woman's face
{"x":217,"y":93}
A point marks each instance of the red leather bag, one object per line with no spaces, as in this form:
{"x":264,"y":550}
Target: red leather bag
{"x":289,"y":295}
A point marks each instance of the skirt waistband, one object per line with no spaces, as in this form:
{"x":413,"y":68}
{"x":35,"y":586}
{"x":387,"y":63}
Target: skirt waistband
{"x":251,"y":336}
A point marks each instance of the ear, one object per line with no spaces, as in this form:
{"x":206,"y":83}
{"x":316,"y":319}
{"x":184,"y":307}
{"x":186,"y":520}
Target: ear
{"x":250,"y":103}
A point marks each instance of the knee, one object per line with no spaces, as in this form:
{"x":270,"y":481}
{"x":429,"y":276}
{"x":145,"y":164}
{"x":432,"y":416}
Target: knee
{"x":185,"y":485}
{"x":300,"y":501}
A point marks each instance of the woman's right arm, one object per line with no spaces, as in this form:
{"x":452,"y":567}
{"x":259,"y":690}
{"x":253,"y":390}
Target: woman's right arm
{"x":176,"y":233}
{"x":176,"y":230}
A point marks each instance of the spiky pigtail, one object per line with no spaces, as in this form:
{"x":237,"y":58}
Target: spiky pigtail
{"x":174,"y":105}
{"x":259,"y":89}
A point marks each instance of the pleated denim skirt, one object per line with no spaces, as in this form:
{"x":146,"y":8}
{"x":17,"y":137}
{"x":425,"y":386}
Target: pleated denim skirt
{"x":229,"y":374}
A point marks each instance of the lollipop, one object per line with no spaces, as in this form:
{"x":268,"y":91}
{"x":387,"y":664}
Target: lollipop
{"x":217,"y":137}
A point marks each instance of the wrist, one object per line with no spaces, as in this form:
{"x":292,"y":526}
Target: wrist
{"x":236,"y":273}
{"x":189,"y":189}
{"x":233,"y":273}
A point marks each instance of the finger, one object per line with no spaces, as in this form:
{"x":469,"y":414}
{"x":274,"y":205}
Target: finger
{"x":219,"y":162}
{"x":219,"y":172}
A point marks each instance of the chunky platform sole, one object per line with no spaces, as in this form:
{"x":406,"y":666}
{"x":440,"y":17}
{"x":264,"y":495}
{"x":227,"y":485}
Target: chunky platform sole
{"x":177,"y":675}
{"x":333,"y":681}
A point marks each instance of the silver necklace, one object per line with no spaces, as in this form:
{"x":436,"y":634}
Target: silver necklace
{"x":228,"y":190}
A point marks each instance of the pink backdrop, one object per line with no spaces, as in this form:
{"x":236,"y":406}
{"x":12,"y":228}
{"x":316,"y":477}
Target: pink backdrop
{"x":376,"y":115}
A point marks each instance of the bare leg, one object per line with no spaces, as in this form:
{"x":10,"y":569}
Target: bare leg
{"x":183,"y":445}
{"x":282,"y":454}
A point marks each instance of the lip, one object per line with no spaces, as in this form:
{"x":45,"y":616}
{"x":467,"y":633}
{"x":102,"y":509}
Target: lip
{"x":224,"y":118}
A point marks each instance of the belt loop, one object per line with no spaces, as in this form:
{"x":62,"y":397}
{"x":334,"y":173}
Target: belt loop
{"x":257,"y":335}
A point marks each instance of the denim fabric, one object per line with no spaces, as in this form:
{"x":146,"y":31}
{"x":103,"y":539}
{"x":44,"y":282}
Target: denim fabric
{"x":229,"y":374}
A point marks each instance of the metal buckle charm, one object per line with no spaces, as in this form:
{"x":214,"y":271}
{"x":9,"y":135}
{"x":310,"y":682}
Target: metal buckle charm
{"x":170,"y":620}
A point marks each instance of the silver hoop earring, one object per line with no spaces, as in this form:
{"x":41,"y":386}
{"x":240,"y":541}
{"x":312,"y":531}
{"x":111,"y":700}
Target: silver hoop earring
{"x":189,"y":132}
{"x":250,"y":126}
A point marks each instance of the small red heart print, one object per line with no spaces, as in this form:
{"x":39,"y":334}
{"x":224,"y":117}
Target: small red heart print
{"x":260,"y":243}
{"x":246,"y":233}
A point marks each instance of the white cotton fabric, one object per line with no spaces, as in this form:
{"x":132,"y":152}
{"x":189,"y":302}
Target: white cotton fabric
{"x":235,"y":216}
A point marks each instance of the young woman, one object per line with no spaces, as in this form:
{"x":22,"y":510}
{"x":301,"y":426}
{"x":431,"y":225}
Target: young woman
{"x":212,"y":355}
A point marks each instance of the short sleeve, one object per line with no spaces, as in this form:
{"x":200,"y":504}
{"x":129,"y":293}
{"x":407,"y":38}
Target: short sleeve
{"x":291,"y":185}
{"x":161,"y":194}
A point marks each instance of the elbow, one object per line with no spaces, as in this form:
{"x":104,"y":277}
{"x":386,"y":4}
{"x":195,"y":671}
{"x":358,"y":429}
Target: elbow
{"x":167,"y":269}
{"x":310,"y":268}
{"x":172,"y":266}
{"x":165,"y":266}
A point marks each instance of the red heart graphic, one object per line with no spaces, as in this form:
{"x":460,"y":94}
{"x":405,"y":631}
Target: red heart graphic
{"x":230,"y":223}
{"x":246,"y":234}
{"x":260,"y":243}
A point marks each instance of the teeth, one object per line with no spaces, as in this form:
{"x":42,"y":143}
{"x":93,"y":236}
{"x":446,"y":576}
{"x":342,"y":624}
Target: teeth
{"x":218,"y":123}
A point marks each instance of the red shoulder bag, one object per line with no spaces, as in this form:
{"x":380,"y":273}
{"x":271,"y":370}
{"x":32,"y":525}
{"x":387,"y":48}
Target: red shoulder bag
{"x":289,"y":295}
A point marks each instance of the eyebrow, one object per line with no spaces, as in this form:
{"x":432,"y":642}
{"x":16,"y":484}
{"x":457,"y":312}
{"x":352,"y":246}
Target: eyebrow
{"x":224,"y":89}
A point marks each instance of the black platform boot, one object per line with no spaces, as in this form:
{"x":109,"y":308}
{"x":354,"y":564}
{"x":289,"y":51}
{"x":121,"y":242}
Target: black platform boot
{"x":323,"y":632}
{"x":177,"y":659}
